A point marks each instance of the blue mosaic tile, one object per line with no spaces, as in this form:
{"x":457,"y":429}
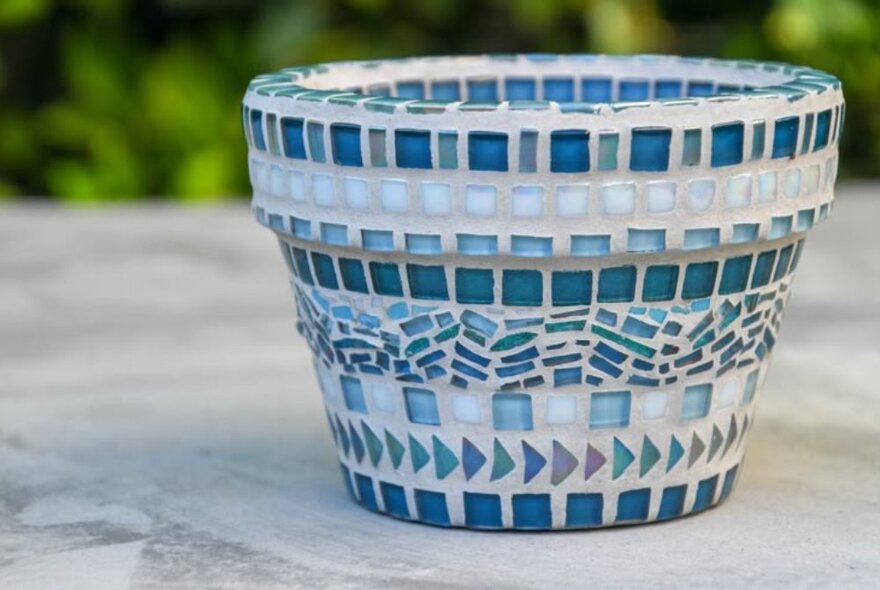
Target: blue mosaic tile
{"x":650,"y":149}
{"x":413,"y":148}
{"x":569,"y":151}
{"x":727,"y":144}
{"x":345,"y":140}
{"x":487,"y":151}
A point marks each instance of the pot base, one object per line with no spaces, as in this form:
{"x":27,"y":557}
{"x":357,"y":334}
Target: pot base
{"x":539,"y":511}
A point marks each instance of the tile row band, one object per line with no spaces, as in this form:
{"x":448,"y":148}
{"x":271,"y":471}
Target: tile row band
{"x":528,"y":287}
{"x":535,"y":511}
{"x":348,"y":144}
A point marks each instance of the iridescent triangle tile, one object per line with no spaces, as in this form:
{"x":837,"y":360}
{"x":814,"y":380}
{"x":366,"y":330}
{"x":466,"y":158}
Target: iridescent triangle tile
{"x":563,"y":463}
{"x":502,"y":462}
{"x":395,"y":449}
{"x":731,"y":435}
{"x":649,"y":457}
{"x":472,"y":459}
{"x":623,"y":458}
{"x":445,"y":460}
{"x":374,"y":445}
{"x":356,"y":443}
{"x":593,"y":462}
{"x":697,"y":448}
{"x":418,"y":454}
{"x":534,"y":462}
{"x":676,"y":452}
{"x":715,"y":442}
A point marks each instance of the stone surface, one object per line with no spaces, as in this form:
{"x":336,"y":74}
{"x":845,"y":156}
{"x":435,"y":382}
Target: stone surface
{"x":160,"y":426}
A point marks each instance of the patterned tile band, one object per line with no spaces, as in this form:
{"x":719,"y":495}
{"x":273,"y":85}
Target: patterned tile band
{"x":541,"y":291}
{"x":767,"y":148}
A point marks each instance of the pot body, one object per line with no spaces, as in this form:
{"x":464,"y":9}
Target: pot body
{"x":541,"y":314}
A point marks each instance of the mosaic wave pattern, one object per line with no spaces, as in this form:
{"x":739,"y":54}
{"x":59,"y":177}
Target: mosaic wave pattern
{"x":541,"y":291}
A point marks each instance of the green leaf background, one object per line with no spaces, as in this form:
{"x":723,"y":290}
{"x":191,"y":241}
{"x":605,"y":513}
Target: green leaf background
{"x":115,"y":100}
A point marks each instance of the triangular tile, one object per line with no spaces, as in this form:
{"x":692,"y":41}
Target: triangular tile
{"x":697,"y":448}
{"x":356,"y":443}
{"x":502,"y":462}
{"x":374,"y":445}
{"x":745,"y":428}
{"x":395,"y":449}
{"x":650,"y":456}
{"x":593,"y":462}
{"x":563,"y":463}
{"x":343,"y":436}
{"x":534,"y":460}
{"x":445,"y":460}
{"x":731,"y":435}
{"x":332,"y":428}
{"x":472,"y":459}
{"x":623,"y":458}
{"x":676,"y":452}
{"x":417,"y":454}
{"x":715,"y":442}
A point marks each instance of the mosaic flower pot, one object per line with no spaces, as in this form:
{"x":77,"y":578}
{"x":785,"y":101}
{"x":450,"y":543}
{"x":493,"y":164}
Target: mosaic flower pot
{"x":541,"y":291}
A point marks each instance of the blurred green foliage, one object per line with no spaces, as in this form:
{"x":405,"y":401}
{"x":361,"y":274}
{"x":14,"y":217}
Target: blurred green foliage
{"x":123,"y":99}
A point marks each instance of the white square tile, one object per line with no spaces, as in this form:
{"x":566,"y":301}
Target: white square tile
{"x":436,"y":198}
{"x":480,"y":200}
{"x":619,"y":198}
{"x":561,"y":409}
{"x":322,"y":190}
{"x":383,"y":397}
{"x":701,"y":193}
{"x":660,"y":197}
{"x":276,"y":182}
{"x":527,"y":201}
{"x":328,"y":385}
{"x":466,"y":408}
{"x":393,"y":194}
{"x":257,"y":169}
{"x":792,"y":183}
{"x":357,"y":195}
{"x":296,"y":185}
{"x":572,"y":200}
{"x":767,"y":186}
{"x":739,"y":191}
{"x":727,"y":393}
{"x":811,"y":182}
{"x":654,"y":404}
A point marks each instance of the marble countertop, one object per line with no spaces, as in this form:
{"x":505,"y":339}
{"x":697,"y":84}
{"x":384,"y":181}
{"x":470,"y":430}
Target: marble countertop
{"x":160,"y":427}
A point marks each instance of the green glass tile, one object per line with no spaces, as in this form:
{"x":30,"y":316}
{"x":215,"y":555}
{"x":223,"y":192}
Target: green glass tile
{"x":417,"y":346}
{"x":571,"y":326}
{"x":502,"y":462}
{"x":608,"y":143}
{"x":475,"y":337}
{"x":445,"y":460}
{"x":395,"y":449}
{"x":512,"y":341}
{"x":418,"y":454}
{"x":374,"y":445}
{"x":528,"y":150}
{"x":636,"y":347}
{"x":758,"y":139}
{"x":316,"y":141}
{"x":448,"y":150}
{"x":272,"y":130}
{"x":378,"y":157}
{"x":692,"y":146}
{"x":623,"y":458}
{"x":450,"y":332}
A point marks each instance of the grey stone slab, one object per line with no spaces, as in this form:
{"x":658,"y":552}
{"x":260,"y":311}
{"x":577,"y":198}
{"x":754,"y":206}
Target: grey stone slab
{"x":160,"y":427}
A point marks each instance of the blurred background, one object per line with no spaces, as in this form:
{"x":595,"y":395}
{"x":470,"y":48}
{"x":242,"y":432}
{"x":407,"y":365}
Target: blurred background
{"x":114,"y":100}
